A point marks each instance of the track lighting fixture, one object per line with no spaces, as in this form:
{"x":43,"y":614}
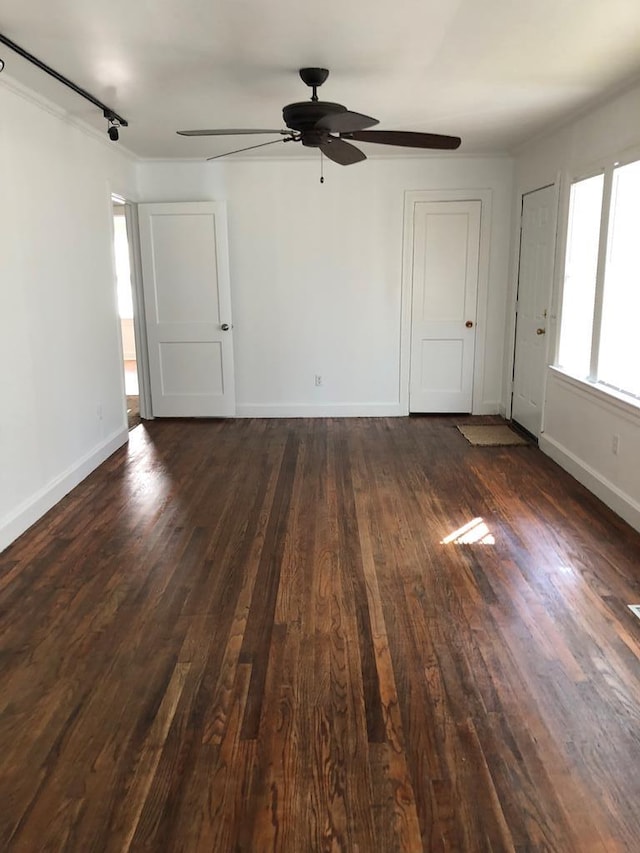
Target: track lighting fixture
{"x":115,"y":120}
{"x":113,"y":125}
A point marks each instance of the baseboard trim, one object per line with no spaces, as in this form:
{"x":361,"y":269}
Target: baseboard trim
{"x":617,"y":500}
{"x":319,"y":410}
{"x":35,"y":507}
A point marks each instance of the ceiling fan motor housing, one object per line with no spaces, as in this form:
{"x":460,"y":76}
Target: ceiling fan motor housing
{"x":304,"y":116}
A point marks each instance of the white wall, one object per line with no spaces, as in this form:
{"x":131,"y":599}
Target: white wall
{"x":316,"y":273}
{"x":59,"y":330}
{"x":580,"y":421}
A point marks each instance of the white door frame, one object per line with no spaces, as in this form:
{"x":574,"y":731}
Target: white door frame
{"x":139,"y":321}
{"x":139,"y":325}
{"x":552,"y":335}
{"x":411,"y":198}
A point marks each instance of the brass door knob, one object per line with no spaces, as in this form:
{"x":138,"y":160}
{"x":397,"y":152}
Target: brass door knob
{"x":469,"y":324}
{"x":540,"y":331}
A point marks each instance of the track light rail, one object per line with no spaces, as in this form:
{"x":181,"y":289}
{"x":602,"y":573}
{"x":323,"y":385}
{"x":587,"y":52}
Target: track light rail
{"x":108,"y":113}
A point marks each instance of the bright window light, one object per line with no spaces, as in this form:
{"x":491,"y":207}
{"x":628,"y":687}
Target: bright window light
{"x":581,"y":263}
{"x":619,"y":357}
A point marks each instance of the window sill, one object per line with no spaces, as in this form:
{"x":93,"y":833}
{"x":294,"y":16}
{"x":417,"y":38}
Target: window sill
{"x":626,"y":403}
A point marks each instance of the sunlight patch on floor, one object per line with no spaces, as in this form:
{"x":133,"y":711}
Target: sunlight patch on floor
{"x":475,"y":532}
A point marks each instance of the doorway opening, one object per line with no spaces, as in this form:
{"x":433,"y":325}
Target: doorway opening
{"x":122,"y":255}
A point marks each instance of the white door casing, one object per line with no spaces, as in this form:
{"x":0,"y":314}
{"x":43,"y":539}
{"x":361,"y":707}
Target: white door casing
{"x":444,"y":287}
{"x":535,"y":280}
{"x":140,"y":325}
{"x":187,"y":297}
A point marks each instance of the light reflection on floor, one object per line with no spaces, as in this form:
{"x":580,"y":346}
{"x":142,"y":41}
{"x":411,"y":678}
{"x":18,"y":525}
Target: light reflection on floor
{"x":474,"y":532}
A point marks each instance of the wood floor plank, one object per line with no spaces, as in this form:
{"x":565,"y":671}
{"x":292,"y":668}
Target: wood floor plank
{"x":257,"y":637}
{"x":302,"y":635}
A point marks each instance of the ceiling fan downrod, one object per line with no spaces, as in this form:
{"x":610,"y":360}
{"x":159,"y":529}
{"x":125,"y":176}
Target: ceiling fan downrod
{"x":314,"y":77}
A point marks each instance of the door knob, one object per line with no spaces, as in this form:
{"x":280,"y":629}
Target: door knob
{"x":469,"y":324}
{"x":540,"y":331}
{"x":225,"y":327}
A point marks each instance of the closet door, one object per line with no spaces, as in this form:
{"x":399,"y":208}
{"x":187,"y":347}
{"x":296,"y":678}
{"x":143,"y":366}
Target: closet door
{"x":187,"y":295}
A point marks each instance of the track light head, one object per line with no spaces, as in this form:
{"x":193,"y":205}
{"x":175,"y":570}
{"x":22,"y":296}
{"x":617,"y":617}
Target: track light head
{"x":114,"y":124}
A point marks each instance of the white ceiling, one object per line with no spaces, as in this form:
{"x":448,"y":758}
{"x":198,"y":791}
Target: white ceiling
{"x":494,"y":72}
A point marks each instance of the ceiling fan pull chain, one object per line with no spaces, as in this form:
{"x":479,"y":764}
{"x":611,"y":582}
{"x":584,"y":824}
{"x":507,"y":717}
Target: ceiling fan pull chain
{"x":321,"y":167}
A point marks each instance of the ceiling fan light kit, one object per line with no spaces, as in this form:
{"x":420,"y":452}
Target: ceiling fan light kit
{"x":330,"y":127}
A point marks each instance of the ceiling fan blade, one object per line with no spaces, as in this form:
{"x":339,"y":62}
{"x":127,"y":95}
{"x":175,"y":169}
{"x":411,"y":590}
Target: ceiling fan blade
{"x":225,"y":132}
{"x":345,"y":122}
{"x":249,"y":147}
{"x":342,"y":152}
{"x":406,"y":138}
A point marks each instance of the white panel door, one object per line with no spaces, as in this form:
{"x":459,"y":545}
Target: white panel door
{"x":446,"y":245}
{"x":187,"y":297}
{"x":537,"y":248}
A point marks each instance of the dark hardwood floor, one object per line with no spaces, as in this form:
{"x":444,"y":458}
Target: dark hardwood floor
{"x":321,"y":635}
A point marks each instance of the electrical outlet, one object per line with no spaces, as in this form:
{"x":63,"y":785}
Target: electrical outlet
{"x":615,"y":444}
{"x":318,"y":380}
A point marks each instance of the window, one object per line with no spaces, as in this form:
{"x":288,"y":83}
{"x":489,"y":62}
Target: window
{"x":578,"y":300}
{"x":601,"y":296}
{"x":619,"y":358}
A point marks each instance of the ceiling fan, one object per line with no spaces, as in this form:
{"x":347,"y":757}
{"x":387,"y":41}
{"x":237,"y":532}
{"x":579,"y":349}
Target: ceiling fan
{"x":328,"y":126}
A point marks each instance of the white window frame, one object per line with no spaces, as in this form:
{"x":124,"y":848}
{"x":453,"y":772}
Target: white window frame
{"x":605,"y":167}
